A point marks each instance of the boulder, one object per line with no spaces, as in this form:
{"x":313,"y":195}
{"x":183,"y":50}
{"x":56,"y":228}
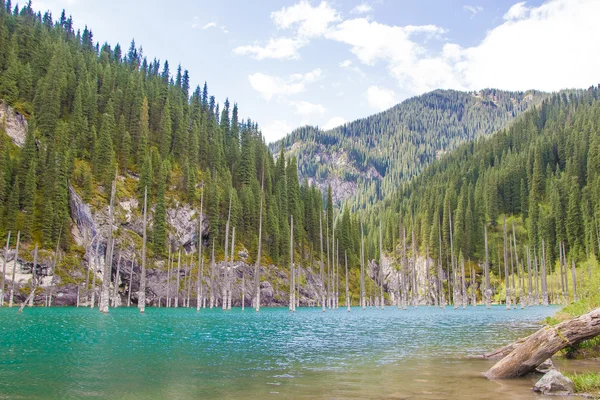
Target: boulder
{"x":545,"y":367}
{"x":554,"y":383}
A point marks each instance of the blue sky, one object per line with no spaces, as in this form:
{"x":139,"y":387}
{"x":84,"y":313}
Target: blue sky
{"x":297,"y":62}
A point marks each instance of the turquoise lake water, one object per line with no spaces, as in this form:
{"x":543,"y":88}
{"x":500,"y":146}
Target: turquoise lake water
{"x":73,"y":353}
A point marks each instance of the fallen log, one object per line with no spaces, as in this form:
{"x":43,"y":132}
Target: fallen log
{"x":544,"y":343}
{"x":506,"y":350}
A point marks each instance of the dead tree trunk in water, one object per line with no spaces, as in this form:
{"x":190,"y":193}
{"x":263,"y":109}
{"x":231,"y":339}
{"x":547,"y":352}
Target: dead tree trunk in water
{"x":381,"y":267}
{"x":199,"y":293}
{"x":33,"y":286}
{"x":506,"y":277}
{"x":486,"y":269}
{"x":363,"y":299}
{"x":130,"y":285}
{"x":322,"y":262}
{"x":212,"y":276}
{"x":452,"y":252}
{"x":292,"y":290}
{"x":142,"y":292}
{"x":258,"y":253}
{"x":574,"y":276}
{"x":440,"y":272}
{"x":177,"y":277}
{"x":116,"y":285}
{"x":2,"y":291}
{"x":463,"y":283}
{"x":544,"y":343}
{"x":347,"y":289}
{"x":543,"y":276}
{"x":169,"y":265}
{"x":530,"y":302}
{"x":12,"y":285}
{"x":107,"y":273}
{"x":230,"y":270}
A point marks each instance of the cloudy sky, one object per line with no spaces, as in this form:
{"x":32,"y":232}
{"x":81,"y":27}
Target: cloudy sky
{"x":296,"y":62}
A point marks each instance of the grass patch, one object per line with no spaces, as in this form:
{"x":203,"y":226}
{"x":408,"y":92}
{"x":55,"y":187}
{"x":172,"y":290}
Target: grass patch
{"x":588,"y":382}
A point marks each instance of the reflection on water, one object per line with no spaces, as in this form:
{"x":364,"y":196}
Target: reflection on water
{"x":69,"y":353}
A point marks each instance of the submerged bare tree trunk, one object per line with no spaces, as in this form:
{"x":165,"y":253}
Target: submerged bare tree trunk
{"x":2,"y":290}
{"x":543,"y":277}
{"x":169,"y":265}
{"x":566,"y":276}
{"x":142,"y":292}
{"x":31,"y":296}
{"x":530,"y":290}
{"x":338,"y":278}
{"x":347,"y":287}
{"x":199,"y":294}
{"x":188,"y":283}
{"x":382,"y":300}
{"x":473,"y":284}
{"x":574,"y":276}
{"x":332,"y":270}
{"x":177,"y":277}
{"x":506,"y":277}
{"x":116,"y":285}
{"x":105,"y":296}
{"x":440,"y":272}
{"x":292,"y":291}
{"x":452,"y":251}
{"x":243,"y":288}
{"x":130,"y":285}
{"x":230,"y":270}
{"x":427,"y":288}
{"x":519,"y":273}
{"x":328,"y":262}
{"x":464,"y":284}
{"x":538,"y":298}
{"x":322,"y":262}
{"x":258,"y":253}
{"x":363,"y":299}
{"x":212,"y":276}
{"x":486,"y":270}
{"x":12,"y":285}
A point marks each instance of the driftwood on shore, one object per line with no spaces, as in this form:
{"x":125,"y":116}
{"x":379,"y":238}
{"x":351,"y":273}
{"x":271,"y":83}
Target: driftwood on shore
{"x":528,"y":353}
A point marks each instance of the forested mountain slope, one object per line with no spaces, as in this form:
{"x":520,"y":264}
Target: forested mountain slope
{"x":366,"y":159}
{"x":542,"y":173}
{"x":89,"y":110}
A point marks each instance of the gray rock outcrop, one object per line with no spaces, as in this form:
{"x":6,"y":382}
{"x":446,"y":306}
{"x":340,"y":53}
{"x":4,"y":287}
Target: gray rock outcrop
{"x":554,"y":383}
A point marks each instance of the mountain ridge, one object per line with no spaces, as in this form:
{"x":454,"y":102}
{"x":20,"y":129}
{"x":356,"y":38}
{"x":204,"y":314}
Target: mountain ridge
{"x":365,"y":159}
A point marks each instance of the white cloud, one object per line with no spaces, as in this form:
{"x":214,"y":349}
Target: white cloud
{"x":371,"y":41}
{"x":306,"y":108}
{"x":333,"y":123}
{"x":381,"y":98}
{"x":473,"y":10}
{"x":535,"y":48}
{"x":517,"y":11}
{"x":269,"y":85}
{"x":278,"y":48}
{"x":530,"y":49}
{"x":275,"y":130}
{"x":361,"y":9}
{"x":311,"y":21}
{"x":196,"y":25}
